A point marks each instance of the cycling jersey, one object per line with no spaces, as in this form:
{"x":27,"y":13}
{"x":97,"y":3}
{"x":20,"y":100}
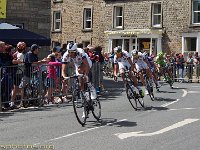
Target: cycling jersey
{"x":160,"y":61}
{"x":139,"y":61}
{"x":123,"y":60}
{"x":78,"y":60}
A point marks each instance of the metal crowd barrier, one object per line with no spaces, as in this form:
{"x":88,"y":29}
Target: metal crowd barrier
{"x":30,"y":86}
{"x":190,"y":73}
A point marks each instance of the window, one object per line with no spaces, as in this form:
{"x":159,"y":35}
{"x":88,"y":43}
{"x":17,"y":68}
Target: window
{"x":85,"y":43}
{"x":87,"y":20}
{"x":57,"y":1}
{"x":56,"y":21}
{"x":156,"y":15}
{"x":190,"y":43}
{"x":196,"y":12}
{"x":118,"y":17}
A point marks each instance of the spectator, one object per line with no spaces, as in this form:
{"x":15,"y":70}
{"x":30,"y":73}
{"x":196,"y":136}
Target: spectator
{"x":51,"y":77}
{"x":63,"y":49}
{"x":181,"y":67}
{"x":190,"y":63}
{"x":31,"y":64}
{"x":19,"y":56}
{"x":6,"y":63}
{"x":197,"y":64}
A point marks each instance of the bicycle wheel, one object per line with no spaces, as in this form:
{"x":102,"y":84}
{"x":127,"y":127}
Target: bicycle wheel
{"x":131,"y":97}
{"x":141,"y":102}
{"x":79,"y":106}
{"x":96,"y":111}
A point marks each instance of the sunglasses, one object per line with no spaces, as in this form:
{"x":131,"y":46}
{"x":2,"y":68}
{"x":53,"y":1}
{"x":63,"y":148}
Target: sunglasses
{"x":119,"y":51}
{"x":72,"y":52}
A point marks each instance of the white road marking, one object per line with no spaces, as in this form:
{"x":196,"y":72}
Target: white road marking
{"x":75,"y":133}
{"x":167,"y":104}
{"x":184,"y":93}
{"x":182,"y":109}
{"x":141,"y":134}
{"x":194,"y":92}
{"x":195,"y":86}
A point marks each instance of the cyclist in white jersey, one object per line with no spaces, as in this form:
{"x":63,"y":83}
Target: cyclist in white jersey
{"x":122,"y":62}
{"x":79,"y":58}
{"x":138,"y":59}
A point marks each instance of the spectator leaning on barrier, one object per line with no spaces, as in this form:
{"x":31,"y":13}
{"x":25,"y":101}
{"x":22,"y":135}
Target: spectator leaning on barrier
{"x":31,"y":59}
{"x":51,"y":79}
{"x":19,"y":56}
{"x":6,"y":63}
{"x":197,"y":65}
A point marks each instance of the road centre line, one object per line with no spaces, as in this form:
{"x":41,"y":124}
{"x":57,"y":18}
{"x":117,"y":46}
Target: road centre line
{"x":79,"y":132}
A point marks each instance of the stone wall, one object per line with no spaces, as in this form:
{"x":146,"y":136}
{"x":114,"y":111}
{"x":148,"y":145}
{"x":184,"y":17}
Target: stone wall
{"x":137,"y":15}
{"x":72,"y":21}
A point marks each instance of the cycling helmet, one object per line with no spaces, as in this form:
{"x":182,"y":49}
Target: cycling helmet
{"x":134,"y":52}
{"x":161,"y":54}
{"x":118,"y":49}
{"x":21,"y":45}
{"x":72,"y":47}
{"x":149,"y":58}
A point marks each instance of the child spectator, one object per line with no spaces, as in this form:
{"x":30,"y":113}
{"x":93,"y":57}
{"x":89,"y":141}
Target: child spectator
{"x":51,"y":77}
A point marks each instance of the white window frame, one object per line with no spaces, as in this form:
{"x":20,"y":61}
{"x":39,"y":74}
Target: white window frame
{"x":56,"y":21}
{"x":153,"y":15}
{"x":85,"y":20}
{"x":198,"y":11}
{"x":116,"y":8}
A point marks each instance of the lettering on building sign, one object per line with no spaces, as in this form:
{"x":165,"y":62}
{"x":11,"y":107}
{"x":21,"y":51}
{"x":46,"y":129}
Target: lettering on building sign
{"x":129,"y":36}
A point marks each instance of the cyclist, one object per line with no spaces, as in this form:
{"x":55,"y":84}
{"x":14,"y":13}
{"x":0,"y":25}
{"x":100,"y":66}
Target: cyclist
{"x":152,"y":66}
{"x":79,"y":58}
{"x":122,"y":62}
{"x":138,"y":59}
{"x":161,"y":64}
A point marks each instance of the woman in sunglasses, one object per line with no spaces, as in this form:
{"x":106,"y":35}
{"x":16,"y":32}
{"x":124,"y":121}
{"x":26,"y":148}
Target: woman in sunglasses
{"x":122,"y":63}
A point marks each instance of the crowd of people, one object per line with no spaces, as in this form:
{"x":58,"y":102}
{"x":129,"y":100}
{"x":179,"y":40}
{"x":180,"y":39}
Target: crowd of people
{"x":18,"y":65}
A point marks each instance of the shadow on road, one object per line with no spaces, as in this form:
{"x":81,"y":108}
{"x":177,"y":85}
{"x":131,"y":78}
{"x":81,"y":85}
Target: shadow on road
{"x":5,"y":115}
{"x":160,"y":91}
{"x":156,"y":108}
{"x":164,"y":99}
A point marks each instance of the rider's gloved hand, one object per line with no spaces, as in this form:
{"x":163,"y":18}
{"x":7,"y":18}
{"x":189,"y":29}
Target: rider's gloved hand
{"x":115,"y":78}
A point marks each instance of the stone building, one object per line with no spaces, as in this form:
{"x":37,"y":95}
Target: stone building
{"x":32,"y":15}
{"x":78,"y":21}
{"x":154,"y":25}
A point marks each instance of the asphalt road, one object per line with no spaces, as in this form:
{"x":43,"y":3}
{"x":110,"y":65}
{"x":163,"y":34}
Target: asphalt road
{"x":171,"y":122}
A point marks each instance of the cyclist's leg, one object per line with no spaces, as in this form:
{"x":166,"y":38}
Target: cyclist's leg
{"x":139,"y":71}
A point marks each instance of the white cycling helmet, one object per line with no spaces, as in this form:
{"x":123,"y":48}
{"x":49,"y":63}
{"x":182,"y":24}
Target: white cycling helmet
{"x":72,"y":47}
{"x":117,"y":49}
{"x":134,"y":52}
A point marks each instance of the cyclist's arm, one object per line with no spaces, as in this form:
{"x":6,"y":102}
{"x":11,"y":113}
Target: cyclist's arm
{"x":132,"y":65}
{"x":85,"y":61}
{"x":64,"y":69}
{"x":116,"y":69}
